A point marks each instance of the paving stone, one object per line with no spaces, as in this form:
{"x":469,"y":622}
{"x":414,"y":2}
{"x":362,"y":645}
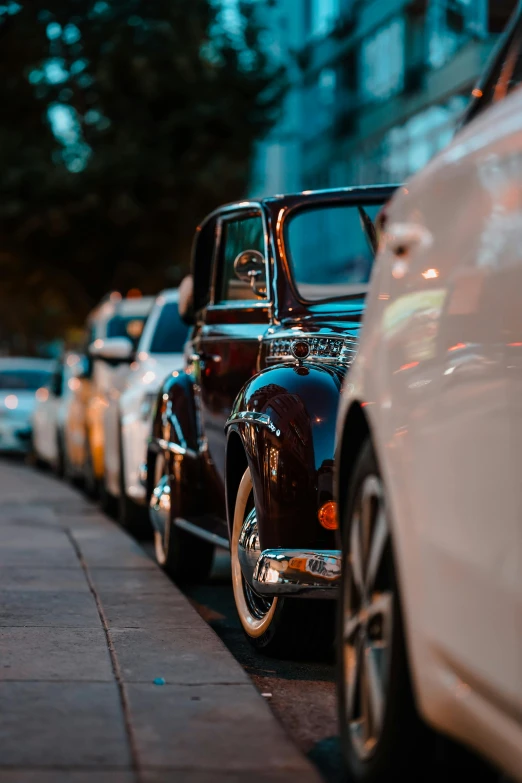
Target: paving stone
{"x":183,"y":656}
{"x":110,"y":549}
{"x":135,"y":582}
{"x":33,"y":537}
{"x":67,"y":654}
{"x":44,"y":724}
{"x":180,"y":726}
{"x":62,"y":555}
{"x":137,"y":611}
{"x":55,"y":579}
{"x":30,"y":607}
{"x":71,"y":776}
{"x":218,"y":776}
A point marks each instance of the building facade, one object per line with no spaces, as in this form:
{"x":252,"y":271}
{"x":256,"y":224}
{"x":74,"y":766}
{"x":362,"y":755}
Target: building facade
{"x":377,"y":86}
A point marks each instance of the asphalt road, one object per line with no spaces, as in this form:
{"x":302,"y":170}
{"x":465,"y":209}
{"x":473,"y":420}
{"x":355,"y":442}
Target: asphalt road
{"x":302,"y":694}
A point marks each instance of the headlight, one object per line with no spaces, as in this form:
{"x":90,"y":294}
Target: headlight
{"x":147,"y":405}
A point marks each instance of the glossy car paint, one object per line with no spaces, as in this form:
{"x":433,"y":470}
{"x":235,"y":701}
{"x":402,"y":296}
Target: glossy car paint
{"x":229,"y":347}
{"x":51,"y":411}
{"x":85,"y":421}
{"x":439,"y":373}
{"x":17,"y":405}
{"x":127,"y":417}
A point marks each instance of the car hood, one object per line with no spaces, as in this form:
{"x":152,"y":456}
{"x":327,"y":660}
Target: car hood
{"x":24,"y":402}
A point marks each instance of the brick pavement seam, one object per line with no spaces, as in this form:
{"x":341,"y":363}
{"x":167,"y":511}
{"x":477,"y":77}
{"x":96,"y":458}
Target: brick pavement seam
{"x":125,"y":706}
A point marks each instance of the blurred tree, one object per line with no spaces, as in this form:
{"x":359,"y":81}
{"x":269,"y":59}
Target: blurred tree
{"x":123,"y":122}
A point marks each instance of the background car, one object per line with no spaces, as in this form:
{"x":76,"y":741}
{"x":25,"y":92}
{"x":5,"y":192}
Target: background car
{"x":114,"y":329}
{"x":243,"y":440}
{"x":430,"y":449}
{"x":22,"y":382}
{"x":51,"y":410}
{"x":128,"y":416}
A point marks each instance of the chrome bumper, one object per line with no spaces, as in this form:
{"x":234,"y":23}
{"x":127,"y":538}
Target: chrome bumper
{"x":298,"y":572}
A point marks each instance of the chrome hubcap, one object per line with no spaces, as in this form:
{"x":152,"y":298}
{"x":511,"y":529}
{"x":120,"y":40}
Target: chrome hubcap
{"x":367,"y":619}
{"x":248,"y":553}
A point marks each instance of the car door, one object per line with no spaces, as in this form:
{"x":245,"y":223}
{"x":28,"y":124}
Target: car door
{"x":454,"y":360}
{"x":227,"y":345}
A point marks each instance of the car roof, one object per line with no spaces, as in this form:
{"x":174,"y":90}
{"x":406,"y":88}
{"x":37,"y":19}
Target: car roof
{"x":134,"y":306}
{"x":309,"y":196}
{"x":26,"y":363}
{"x":168,"y":295}
{"x":363,"y":190}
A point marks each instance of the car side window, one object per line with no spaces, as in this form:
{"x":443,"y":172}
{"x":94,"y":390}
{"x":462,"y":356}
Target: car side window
{"x":237,"y":235}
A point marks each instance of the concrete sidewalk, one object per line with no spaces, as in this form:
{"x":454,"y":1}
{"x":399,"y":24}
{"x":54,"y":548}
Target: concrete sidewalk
{"x":87,"y":624}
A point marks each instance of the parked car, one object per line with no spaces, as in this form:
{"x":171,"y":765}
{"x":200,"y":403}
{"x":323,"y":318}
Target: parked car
{"x":51,"y":410}
{"x":22,"y":381}
{"x":243,"y":440}
{"x":429,"y":456}
{"x":114,"y":328}
{"x":128,"y":415}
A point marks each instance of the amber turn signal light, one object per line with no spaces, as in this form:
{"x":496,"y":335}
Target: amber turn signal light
{"x":328,"y":515}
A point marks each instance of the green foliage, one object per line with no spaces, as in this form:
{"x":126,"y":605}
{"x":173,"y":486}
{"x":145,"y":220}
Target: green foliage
{"x":123,"y":122}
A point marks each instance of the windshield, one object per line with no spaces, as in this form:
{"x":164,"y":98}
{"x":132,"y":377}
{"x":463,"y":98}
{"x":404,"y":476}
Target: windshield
{"x":171,"y":333}
{"x":130,"y":326}
{"x":23,"y":380}
{"x":329,"y":250}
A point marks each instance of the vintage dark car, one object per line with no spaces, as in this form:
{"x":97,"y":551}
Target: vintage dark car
{"x":242,"y":447}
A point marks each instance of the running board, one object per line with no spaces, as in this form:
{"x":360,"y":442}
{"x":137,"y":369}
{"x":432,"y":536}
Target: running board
{"x":200,"y":532}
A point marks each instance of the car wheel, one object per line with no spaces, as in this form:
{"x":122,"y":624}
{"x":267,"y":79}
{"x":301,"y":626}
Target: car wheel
{"x":277,"y":626}
{"x":90,"y":482}
{"x":108,"y":503}
{"x":132,"y":517}
{"x":184,"y":557}
{"x":382,"y":734}
{"x":60,"y":458}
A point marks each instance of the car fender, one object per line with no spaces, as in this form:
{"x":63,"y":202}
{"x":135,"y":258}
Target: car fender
{"x":285,"y":417}
{"x":176,"y":432}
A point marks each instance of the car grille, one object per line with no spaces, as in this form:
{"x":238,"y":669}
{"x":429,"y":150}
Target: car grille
{"x":330,"y":350}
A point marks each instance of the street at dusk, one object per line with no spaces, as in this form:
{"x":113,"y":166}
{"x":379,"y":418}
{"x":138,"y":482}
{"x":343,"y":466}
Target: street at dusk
{"x":260,"y":391}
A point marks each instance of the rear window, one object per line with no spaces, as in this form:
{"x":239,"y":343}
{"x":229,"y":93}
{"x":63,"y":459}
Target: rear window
{"x":170,"y":334}
{"x":126,"y":326}
{"x":23,"y":380}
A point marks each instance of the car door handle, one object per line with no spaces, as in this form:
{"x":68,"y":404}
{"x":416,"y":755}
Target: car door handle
{"x":404,"y":237}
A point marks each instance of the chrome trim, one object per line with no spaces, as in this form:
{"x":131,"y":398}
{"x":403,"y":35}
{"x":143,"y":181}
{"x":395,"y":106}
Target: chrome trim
{"x":175,"y":448}
{"x":298,"y":572}
{"x":200,"y":532}
{"x":251,"y":416}
{"x":159,"y":506}
{"x":342,"y":349}
{"x":248,"y":548}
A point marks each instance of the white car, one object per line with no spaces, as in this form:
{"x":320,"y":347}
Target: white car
{"x":114,"y":328}
{"x":429,"y":462}
{"x":128,"y":417}
{"x":22,"y":382}
{"x":52,"y":408}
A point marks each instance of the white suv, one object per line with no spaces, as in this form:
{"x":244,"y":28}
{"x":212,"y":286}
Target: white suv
{"x":128,"y":416}
{"x":429,"y":461}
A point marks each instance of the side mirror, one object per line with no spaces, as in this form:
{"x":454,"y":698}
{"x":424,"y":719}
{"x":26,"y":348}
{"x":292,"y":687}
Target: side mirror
{"x":186,"y":300}
{"x":112,"y":349}
{"x":250,"y":267}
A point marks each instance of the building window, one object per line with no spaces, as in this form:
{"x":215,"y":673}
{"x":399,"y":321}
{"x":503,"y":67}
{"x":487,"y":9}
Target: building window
{"x":382,"y":62}
{"x":323,"y":15}
{"x":450,"y":23}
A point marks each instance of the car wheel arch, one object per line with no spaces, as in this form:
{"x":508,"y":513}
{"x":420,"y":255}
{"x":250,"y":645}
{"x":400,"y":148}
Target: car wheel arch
{"x":356,"y":430}
{"x":236,"y":464}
